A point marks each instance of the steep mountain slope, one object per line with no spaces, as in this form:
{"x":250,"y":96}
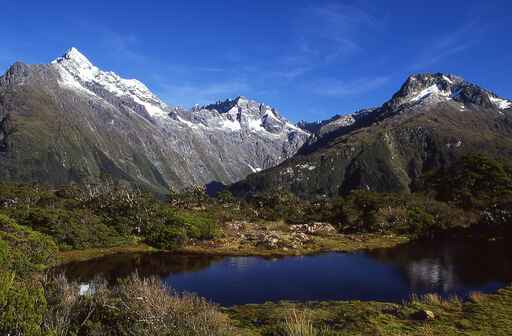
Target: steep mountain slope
{"x":69,"y":121}
{"x":430,"y":121}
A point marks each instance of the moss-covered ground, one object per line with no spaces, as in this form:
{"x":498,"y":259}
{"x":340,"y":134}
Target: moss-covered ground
{"x":478,"y":315}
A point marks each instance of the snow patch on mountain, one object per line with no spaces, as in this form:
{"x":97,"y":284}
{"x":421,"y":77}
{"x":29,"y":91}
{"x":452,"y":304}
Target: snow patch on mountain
{"x":254,"y":170}
{"x":70,"y":82}
{"x":502,"y":104}
{"x":433,"y":90}
{"x":238,"y":115}
{"x":83,"y":71}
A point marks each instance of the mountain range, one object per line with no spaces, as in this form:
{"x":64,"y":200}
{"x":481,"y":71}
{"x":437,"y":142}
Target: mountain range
{"x":433,"y":120}
{"x":69,"y":121}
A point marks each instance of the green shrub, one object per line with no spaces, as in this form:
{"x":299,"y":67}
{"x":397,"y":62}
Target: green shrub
{"x":171,"y":228}
{"x":75,"y":229}
{"x":420,"y":222}
{"x":199,"y":226}
{"x":167,"y":237}
{"x":22,"y":306}
{"x":475,"y":181}
{"x":27,"y":250}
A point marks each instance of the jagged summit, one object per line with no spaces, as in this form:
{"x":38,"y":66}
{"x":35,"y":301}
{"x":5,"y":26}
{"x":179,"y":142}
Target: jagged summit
{"x":224,"y":106}
{"x":78,"y":72}
{"x":92,"y":123}
{"x":242,"y":113}
{"x":436,"y":87}
{"x":74,"y":55}
{"x":430,"y":122}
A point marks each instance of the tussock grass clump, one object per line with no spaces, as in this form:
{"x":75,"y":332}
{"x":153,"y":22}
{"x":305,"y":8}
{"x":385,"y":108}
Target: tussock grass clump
{"x":432,"y":299}
{"x":155,"y":309}
{"x":135,"y":306}
{"x":300,"y":323}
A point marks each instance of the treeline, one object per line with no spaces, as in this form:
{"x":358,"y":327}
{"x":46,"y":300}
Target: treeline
{"x":472,"y":196}
{"x":475,"y":193}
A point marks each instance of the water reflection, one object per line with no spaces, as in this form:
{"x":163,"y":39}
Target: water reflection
{"x":450,"y":266}
{"x":447,"y":268}
{"x":122,"y":265}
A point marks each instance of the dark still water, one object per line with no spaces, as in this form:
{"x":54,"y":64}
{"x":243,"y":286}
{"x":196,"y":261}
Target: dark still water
{"x":447,"y":268}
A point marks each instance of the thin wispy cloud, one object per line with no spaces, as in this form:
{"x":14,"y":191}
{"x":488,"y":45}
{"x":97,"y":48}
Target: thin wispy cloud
{"x":449,"y":45}
{"x":343,"y":23}
{"x":186,"y":69}
{"x":338,"y":88}
{"x":122,"y":46}
{"x":325,"y":35}
{"x":340,"y":25}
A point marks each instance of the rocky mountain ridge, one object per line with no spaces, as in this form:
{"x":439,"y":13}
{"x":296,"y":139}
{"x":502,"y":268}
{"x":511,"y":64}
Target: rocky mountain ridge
{"x":431,"y":120}
{"x":69,"y":121}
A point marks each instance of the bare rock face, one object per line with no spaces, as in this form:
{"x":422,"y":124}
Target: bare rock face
{"x":70,"y":121}
{"x":430,"y":122}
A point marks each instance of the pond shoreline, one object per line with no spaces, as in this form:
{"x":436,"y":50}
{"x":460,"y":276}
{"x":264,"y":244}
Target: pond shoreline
{"x":226,"y":248}
{"x":478,"y":309}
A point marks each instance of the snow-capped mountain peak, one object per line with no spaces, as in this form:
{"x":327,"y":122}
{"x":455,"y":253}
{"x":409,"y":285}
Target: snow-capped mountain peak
{"x":79,"y":73}
{"x":79,"y":62}
{"x":232,"y":115}
{"x":438,"y":87}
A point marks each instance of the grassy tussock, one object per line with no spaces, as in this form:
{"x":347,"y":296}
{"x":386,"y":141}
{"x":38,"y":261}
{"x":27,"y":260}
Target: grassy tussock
{"x":148,"y":304}
{"x":135,"y":306}
{"x":300,"y":323}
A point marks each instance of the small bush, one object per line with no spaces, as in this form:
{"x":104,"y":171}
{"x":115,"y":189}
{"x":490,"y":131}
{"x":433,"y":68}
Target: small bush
{"x":166,"y":237}
{"x":77,"y":229}
{"x":22,"y":306}
{"x":173,"y":228}
{"x":26,"y":250}
{"x":199,"y":226}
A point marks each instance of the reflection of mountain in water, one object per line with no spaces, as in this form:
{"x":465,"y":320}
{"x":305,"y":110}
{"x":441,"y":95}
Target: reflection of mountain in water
{"x":449,"y":266}
{"x":146,"y":264}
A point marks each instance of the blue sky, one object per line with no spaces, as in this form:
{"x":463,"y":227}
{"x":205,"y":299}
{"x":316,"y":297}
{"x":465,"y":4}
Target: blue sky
{"x":310,"y":59}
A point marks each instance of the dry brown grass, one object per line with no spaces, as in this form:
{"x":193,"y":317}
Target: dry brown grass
{"x":426,"y":330}
{"x":157,"y":310}
{"x":433,"y":299}
{"x":136,"y":306}
{"x":476,"y":297}
{"x":299,"y":323}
